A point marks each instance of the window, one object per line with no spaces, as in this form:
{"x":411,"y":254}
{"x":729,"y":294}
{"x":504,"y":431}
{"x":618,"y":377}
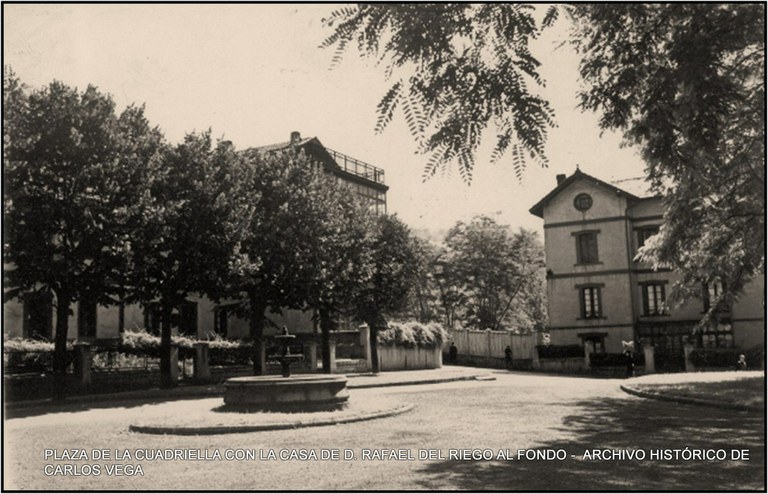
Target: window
{"x":582,"y":202}
{"x":595,"y":342}
{"x":643,"y":234}
{"x":152,"y":317}
{"x":188,"y":318}
{"x":37,"y":315}
{"x":717,"y":336}
{"x":221,"y":321}
{"x":586,"y":248}
{"x":654,"y":296}
{"x":712,"y":291}
{"x":590,"y":302}
{"x":86,"y":319}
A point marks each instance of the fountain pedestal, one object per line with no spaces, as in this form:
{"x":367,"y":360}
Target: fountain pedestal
{"x":297,"y":393}
{"x":304,"y":392}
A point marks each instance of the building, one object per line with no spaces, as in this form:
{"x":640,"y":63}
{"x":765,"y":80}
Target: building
{"x":600,"y":295}
{"x":198,"y":316}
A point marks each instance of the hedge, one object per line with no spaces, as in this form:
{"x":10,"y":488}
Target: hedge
{"x":726,"y":357}
{"x":614,"y":359}
{"x":560,"y":351}
{"x":413,"y":334}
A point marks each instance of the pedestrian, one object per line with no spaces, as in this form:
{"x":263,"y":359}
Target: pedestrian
{"x":508,"y":357}
{"x":742,"y":363}
{"x":629,"y":358}
{"x":453,"y":353}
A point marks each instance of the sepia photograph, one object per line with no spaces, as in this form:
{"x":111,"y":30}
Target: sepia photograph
{"x":384,"y":247}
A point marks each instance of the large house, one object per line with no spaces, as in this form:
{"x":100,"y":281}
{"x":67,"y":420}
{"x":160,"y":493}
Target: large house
{"x":198,"y":316}
{"x":600,"y":295}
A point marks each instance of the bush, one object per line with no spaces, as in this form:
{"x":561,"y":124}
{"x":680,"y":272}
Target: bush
{"x":560,"y":351}
{"x":614,"y":359}
{"x":413,"y":334}
{"x":726,"y":357}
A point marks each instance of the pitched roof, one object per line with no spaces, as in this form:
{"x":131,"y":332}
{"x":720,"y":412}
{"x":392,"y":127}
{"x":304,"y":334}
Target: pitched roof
{"x":538,"y":208}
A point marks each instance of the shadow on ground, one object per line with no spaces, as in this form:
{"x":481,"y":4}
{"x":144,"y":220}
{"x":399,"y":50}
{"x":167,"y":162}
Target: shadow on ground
{"x":619,"y":424}
{"x":54,"y":407}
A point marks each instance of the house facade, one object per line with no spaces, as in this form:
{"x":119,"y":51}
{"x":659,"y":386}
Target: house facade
{"x":197,"y":316}
{"x":600,"y":295}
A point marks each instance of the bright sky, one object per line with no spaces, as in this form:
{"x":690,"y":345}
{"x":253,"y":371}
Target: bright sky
{"x":254,"y":73}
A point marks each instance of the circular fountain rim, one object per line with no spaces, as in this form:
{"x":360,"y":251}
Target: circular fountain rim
{"x":296,"y":378}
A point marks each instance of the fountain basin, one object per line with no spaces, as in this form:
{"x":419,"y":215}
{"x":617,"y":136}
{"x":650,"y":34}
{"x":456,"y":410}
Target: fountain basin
{"x":303,"y":393}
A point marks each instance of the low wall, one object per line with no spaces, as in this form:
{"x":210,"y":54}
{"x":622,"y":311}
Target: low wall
{"x":565,"y":365}
{"x":399,"y":358}
{"x":351,"y":366}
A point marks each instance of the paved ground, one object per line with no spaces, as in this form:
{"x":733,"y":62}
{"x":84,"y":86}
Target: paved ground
{"x":516,"y":411}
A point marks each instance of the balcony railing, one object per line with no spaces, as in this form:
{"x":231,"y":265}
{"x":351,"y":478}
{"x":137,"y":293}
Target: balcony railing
{"x":357,"y":167}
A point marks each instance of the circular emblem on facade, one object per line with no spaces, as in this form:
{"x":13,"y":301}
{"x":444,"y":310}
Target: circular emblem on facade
{"x":582,"y":202}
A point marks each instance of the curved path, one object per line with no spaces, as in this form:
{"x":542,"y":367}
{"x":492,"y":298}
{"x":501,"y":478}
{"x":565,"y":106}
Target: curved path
{"x":515,"y":412}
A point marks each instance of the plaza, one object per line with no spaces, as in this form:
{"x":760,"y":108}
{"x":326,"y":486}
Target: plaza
{"x":447,"y":434}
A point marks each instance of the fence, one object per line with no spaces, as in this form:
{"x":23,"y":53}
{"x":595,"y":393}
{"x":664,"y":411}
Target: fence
{"x":398,"y":358}
{"x":486,"y":348}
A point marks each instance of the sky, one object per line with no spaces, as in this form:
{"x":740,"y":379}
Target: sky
{"x":255,"y":73}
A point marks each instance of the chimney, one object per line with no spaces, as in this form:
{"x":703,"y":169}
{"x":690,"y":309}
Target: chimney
{"x":295,"y":138}
{"x":560,"y":178}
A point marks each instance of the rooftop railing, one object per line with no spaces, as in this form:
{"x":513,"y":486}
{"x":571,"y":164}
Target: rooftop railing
{"x":357,"y":167}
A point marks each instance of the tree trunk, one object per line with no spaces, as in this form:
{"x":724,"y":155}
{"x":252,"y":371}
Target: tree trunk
{"x":63,"y":299}
{"x":325,"y":342}
{"x":166,"y":376}
{"x":256,"y":327}
{"x":373,"y":333}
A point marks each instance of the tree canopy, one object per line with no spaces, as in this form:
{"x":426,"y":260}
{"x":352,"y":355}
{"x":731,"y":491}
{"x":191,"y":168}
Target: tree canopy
{"x":685,"y":83}
{"x":457,"y":68}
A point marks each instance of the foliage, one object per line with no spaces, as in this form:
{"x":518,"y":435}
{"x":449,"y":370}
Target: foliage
{"x":496,"y":275}
{"x":614,"y":359}
{"x":726,"y":357}
{"x":686,"y":84}
{"x":457,"y":68}
{"x":423,"y":300}
{"x":413,"y":334}
{"x":560,"y":351}
{"x":74,"y":177}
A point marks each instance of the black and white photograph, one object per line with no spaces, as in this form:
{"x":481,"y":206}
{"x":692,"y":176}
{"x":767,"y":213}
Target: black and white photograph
{"x":384,"y":247}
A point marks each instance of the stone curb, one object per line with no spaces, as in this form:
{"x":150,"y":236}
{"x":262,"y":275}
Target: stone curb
{"x":198,"y":391}
{"x":473,"y":377}
{"x":231,"y":429}
{"x":688,"y":401}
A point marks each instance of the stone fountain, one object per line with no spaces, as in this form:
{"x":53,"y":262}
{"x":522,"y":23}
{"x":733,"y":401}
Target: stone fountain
{"x":286,"y":393}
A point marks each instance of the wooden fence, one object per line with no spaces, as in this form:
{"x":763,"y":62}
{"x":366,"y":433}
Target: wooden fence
{"x":486,"y":348}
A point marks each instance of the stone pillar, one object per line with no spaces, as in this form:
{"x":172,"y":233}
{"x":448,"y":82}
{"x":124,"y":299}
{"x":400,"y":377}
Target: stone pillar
{"x":263,"y":356}
{"x":365,"y":339}
{"x":650,"y":365}
{"x":312,"y":354}
{"x":202,"y":369}
{"x":688,"y":349}
{"x":174,"y":364}
{"x":587,"y":353}
{"x":83,"y":362}
{"x":535,"y":362}
{"x":333,"y":356}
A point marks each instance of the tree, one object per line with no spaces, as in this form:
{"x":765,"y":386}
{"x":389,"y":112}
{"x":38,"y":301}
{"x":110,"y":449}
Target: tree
{"x":195,"y":216}
{"x":497,"y":272}
{"x":424,"y":297}
{"x":393,"y":258}
{"x":286,"y":190}
{"x":74,"y":172}
{"x":336,"y":261}
{"x":686,"y":84}
{"x":457,"y":67}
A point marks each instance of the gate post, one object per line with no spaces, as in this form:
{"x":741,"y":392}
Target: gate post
{"x":687,"y":350}
{"x":650,"y":365}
